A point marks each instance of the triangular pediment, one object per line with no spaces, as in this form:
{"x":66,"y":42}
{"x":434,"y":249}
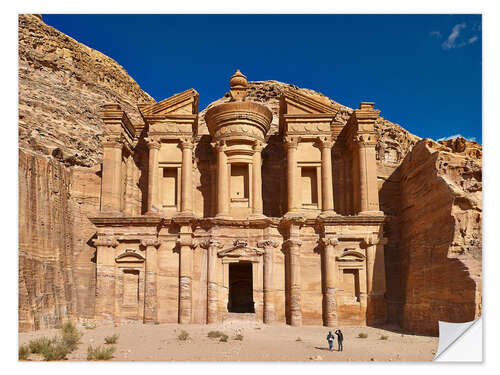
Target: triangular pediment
{"x":240,"y":250}
{"x":129,"y":256}
{"x":297,"y":103}
{"x":351,"y":255}
{"x":184,"y":103}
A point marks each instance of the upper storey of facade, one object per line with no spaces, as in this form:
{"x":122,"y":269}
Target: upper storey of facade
{"x":313,"y":167}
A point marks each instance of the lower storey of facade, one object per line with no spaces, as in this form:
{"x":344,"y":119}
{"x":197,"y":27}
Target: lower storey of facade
{"x":289,"y":270}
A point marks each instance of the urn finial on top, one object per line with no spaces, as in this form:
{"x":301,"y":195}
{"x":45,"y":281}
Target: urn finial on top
{"x":238,"y":85}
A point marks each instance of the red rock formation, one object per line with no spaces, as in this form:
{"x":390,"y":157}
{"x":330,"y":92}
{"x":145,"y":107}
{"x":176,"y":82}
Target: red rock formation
{"x":440,"y":237}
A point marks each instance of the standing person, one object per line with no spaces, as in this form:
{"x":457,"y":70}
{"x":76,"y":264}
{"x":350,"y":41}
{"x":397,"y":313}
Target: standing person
{"x":330,"y":339}
{"x":340,"y":338}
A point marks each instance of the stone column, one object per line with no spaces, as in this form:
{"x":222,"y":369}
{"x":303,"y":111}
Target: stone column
{"x":128,"y":208}
{"x":222,"y":181}
{"x":150,"y":282}
{"x":340,"y":191}
{"x":371,"y":248}
{"x":111,"y":197}
{"x":187,"y":176}
{"x":326,"y":174}
{"x":366,"y":138}
{"x":347,"y":184}
{"x":363,"y":176}
{"x":269,"y":311}
{"x":186,"y":246}
{"x":369,"y":201}
{"x":105,"y":284}
{"x":375,"y":279}
{"x":291,"y":146}
{"x":212,"y":246}
{"x":329,"y":297}
{"x":153,"y":181}
{"x":293,"y":248}
{"x":257,"y":179}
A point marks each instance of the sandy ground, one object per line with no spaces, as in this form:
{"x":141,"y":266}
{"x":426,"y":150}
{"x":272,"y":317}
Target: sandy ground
{"x":139,"y":342}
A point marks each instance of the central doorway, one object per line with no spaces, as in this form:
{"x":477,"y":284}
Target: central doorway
{"x":240,"y":288}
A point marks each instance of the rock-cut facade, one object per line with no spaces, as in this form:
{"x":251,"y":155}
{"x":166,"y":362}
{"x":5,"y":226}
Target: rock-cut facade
{"x":281,"y":225}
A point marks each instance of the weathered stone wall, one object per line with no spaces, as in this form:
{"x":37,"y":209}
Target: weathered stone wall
{"x":440,"y":237}
{"x":46,"y":282}
{"x":62,"y":86}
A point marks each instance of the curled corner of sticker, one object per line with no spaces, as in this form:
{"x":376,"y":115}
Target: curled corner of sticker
{"x":449,"y":333}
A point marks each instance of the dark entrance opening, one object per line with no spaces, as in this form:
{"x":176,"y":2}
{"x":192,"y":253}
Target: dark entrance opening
{"x":240,"y":288}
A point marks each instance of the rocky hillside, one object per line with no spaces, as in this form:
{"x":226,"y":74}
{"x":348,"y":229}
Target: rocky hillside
{"x":62,"y":85}
{"x":430,"y":192}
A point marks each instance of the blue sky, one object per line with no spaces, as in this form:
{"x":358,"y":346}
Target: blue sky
{"x":423,"y":71}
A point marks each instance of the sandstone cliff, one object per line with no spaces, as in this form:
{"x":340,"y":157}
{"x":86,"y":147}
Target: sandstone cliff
{"x":440,"y":245}
{"x":430,"y":192}
{"x":62,"y":85}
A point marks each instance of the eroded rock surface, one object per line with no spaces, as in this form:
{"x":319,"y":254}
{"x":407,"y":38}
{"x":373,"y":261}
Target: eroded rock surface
{"x":62,"y":86}
{"x":440,"y":245}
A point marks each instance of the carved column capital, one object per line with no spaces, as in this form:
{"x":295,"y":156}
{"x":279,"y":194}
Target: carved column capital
{"x":369,"y":241}
{"x":366,"y":139}
{"x":150,"y":242}
{"x":187,"y":143}
{"x":211,"y":243}
{"x":112,"y":141}
{"x":329,"y":241}
{"x":153,"y":143}
{"x":189,"y":241}
{"x":292,"y":243}
{"x":291,"y":141}
{"x":106,"y":241}
{"x":325,"y":142}
{"x":266,"y":244}
{"x":219,"y":145}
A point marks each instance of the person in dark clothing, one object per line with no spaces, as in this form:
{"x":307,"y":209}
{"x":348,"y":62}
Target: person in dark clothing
{"x":340,"y":338}
{"x":330,"y":339}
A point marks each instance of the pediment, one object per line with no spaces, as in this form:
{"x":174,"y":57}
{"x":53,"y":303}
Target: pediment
{"x":184,"y":103}
{"x":129,"y":256}
{"x":351,"y":255}
{"x":296,"y":103}
{"x":240,"y":249}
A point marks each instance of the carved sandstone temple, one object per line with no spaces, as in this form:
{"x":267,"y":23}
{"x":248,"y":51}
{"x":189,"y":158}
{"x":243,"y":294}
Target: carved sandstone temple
{"x":282,"y":223}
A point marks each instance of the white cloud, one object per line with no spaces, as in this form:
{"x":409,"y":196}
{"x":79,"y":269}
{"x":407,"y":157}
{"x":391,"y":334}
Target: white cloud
{"x":473,"y":39}
{"x":455,"y":32}
{"x":453,"y":40}
{"x":471,"y":139}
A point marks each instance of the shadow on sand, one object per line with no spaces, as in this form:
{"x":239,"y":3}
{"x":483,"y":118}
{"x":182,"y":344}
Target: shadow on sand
{"x":324,"y":348}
